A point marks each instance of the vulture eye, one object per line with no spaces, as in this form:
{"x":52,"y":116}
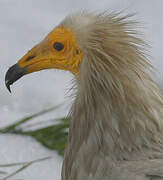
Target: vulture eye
{"x":58,"y":46}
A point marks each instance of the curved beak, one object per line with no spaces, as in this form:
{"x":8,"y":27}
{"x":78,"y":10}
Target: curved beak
{"x":13,"y":74}
{"x":34,"y":60}
{"x":43,"y":56}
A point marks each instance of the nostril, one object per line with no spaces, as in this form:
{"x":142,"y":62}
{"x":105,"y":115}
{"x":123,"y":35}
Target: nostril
{"x":29,"y":58}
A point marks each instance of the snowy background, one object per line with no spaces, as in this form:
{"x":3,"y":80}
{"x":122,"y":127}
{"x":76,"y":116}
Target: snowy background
{"x":23,"y":24}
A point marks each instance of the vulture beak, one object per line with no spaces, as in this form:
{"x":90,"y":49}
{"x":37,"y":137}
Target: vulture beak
{"x":13,"y":74}
{"x":34,"y":60}
{"x":58,"y":50}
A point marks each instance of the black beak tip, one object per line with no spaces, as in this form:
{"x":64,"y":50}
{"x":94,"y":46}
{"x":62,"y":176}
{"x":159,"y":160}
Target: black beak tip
{"x":13,"y":74}
{"x":8,"y":85}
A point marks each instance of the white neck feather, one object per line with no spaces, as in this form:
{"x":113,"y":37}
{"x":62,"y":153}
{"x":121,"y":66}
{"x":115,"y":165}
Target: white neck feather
{"x":117,"y":113}
{"x":124,"y":123}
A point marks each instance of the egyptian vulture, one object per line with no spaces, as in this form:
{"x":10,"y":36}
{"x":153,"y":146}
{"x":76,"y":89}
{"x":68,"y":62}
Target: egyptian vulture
{"x":116,"y":132}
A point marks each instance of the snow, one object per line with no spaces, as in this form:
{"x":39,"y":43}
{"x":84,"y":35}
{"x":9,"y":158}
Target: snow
{"x":22,"y":25}
{"x":21,"y":149}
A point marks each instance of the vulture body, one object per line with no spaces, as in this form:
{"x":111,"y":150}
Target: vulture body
{"x":116,"y":132}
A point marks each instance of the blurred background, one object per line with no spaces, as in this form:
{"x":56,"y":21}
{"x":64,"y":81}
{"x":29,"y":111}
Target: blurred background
{"x":25,"y":23}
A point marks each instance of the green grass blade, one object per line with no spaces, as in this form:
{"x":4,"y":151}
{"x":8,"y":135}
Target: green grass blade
{"x":52,"y":136}
{"x":3,"y":172}
{"x":25,"y":165}
{"x":16,"y":172}
{"x":11,"y":128}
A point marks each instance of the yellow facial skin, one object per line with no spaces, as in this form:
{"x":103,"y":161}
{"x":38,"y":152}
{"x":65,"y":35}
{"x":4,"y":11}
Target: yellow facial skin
{"x":45,"y":56}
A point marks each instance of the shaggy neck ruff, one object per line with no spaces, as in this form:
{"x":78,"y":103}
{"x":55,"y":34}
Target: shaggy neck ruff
{"x":117,"y":117}
{"x":117,"y":111}
{"x":123,"y":112}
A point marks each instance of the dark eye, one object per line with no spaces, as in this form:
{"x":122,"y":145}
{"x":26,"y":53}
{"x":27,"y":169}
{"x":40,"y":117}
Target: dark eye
{"x":58,"y":46}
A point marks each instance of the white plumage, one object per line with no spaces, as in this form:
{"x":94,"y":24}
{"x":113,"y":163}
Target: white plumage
{"x":116,"y":131}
